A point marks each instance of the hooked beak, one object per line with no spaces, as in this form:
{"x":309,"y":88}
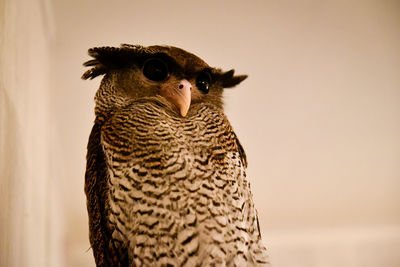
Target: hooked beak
{"x":179,"y":95}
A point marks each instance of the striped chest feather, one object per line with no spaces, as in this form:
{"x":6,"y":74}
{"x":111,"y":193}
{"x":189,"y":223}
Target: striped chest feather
{"x":178,"y":193}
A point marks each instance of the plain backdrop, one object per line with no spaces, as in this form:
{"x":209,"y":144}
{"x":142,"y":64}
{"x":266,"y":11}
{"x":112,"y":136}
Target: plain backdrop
{"x":319,"y":115}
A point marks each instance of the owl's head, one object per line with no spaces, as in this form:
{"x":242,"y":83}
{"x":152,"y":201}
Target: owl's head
{"x":134,"y":72}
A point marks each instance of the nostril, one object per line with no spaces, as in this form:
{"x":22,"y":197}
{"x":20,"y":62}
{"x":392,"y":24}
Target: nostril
{"x":181,"y":86}
{"x":190,"y":88}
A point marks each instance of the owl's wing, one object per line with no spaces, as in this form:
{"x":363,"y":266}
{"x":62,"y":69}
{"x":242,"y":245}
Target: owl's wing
{"x":95,"y":179}
{"x":95,"y":190}
{"x":260,"y":254}
{"x":242,"y":153}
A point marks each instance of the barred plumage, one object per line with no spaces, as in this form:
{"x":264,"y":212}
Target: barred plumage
{"x":165,"y":189}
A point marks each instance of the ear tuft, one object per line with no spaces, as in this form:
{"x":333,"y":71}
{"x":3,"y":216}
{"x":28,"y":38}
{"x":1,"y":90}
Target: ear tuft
{"x":108,"y":58}
{"x":228,"y":79}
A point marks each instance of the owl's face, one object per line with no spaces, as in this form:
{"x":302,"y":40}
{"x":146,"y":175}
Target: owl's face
{"x":170,"y":72}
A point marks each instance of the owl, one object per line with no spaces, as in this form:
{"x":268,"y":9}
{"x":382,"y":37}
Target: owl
{"x":166,"y":178}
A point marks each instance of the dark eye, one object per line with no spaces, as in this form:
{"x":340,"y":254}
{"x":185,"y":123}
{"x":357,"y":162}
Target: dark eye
{"x":155,"y":69}
{"x":203,"y":82}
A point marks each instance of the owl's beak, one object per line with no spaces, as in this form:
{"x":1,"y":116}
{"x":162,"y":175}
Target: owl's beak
{"x":179,"y":95}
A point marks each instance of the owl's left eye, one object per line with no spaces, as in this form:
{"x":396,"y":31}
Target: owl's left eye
{"x":155,"y":69}
{"x":203,"y":82}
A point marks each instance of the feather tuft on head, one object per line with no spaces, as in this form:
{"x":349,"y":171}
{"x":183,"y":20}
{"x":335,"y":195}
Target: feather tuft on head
{"x":228,"y":79}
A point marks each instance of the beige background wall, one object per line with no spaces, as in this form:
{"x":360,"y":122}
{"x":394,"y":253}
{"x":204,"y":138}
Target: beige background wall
{"x":31,"y":220}
{"x":319,"y":115}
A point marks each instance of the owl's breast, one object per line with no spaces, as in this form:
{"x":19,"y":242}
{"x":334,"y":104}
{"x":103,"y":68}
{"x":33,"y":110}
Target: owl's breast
{"x":177,"y":186}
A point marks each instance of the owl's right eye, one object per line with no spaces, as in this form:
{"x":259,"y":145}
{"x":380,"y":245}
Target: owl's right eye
{"x":155,"y":69}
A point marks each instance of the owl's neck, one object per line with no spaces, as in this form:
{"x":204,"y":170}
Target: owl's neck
{"x":108,"y":99}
